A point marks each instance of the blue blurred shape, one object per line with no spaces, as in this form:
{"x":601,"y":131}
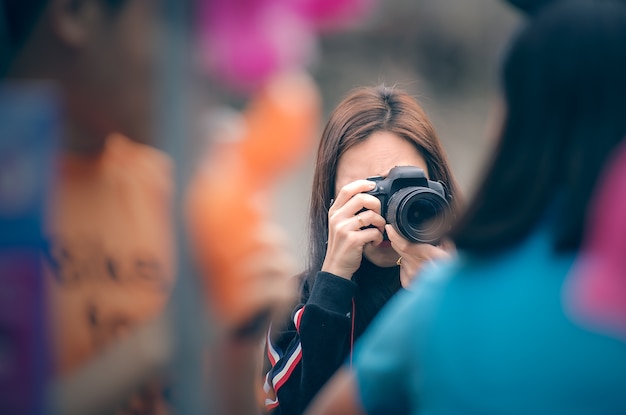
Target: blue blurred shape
{"x":29,"y":127}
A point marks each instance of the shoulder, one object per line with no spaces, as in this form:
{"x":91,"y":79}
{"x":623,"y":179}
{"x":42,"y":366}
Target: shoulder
{"x":418,"y":306}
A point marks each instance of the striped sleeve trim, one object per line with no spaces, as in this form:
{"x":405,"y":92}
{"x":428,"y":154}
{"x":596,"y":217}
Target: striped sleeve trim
{"x":281,"y":377}
{"x":273,"y":353}
{"x":297,"y":318}
{"x":271,"y":401}
{"x":283,"y":365}
{"x":271,"y":404}
{"x":273,"y":384}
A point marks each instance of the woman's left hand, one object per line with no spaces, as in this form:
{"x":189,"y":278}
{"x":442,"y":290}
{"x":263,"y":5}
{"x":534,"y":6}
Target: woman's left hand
{"x":413,"y":256}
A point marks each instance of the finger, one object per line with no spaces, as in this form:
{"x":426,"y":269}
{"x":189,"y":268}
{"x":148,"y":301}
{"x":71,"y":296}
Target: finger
{"x":428,"y":253}
{"x":398,"y":243}
{"x":369,"y":235}
{"x":434,"y":252}
{"x":369,"y":218}
{"x":345,"y":250}
{"x":448,"y":246}
{"x":363,"y":201}
{"x":349,"y":233}
{"x":348,"y":191}
{"x":359,"y":204}
{"x":421,"y":252}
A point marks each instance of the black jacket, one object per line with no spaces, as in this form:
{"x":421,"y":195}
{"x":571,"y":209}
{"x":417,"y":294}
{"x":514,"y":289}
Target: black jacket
{"x":304,"y":352}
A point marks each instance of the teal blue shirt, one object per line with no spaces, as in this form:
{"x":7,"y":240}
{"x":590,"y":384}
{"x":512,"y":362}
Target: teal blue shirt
{"x":489,"y":336}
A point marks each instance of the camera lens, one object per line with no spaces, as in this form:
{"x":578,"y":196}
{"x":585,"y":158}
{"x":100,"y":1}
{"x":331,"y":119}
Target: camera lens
{"x":418,"y":214}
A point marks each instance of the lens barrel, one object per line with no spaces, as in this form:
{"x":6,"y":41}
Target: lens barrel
{"x":418,"y":214}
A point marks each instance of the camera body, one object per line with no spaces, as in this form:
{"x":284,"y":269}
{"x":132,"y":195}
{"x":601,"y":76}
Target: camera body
{"x":418,"y":208}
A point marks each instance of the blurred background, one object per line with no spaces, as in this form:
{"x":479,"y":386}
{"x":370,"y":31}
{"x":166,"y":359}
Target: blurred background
{"x":446,"y":53}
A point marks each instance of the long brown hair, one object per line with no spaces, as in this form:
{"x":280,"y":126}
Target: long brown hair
{"x":362,"y":112}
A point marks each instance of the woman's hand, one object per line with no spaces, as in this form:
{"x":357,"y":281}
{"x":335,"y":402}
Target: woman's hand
{"x":413,"y":256}
{"x":347,"y":228}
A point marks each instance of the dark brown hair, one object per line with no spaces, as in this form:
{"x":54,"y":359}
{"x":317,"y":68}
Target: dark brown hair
{"x":362,"y":112}
{"x":565,"y":94}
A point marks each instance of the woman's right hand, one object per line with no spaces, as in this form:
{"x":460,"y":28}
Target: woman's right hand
{"x":348,"y":230}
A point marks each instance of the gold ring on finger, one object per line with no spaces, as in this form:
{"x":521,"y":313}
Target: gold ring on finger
{"x":360,"y":219}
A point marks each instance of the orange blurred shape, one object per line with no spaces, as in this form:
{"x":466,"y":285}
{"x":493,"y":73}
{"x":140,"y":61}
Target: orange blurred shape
{"x":229,"y":199}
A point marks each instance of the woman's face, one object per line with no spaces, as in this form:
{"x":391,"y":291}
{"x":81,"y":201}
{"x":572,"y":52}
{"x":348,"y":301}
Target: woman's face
{"x":375,"y":156}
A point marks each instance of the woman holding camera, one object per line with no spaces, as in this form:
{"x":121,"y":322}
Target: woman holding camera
{"x":496,"y":330}
{"x":357,"y":260}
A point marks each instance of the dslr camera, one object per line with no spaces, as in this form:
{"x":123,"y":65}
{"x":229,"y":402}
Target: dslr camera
{"x":416,"y":207}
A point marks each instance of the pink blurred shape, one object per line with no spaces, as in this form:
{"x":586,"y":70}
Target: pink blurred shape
{"x":595,"y":295}
{"x":333,"y":14}
{"x":245,"y":42}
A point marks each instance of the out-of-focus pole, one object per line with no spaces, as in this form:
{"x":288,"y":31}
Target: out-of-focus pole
{"x":175,"y":112}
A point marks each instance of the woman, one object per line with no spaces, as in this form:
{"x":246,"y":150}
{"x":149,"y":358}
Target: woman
{"x":353,"y":269}
{"x":489,"y":333}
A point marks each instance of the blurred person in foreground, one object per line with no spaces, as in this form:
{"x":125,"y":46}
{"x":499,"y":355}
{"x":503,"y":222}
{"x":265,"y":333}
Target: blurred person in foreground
{"x":109,"y":266}
{"x":488,"y":333}
{"x":354,"y":268}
